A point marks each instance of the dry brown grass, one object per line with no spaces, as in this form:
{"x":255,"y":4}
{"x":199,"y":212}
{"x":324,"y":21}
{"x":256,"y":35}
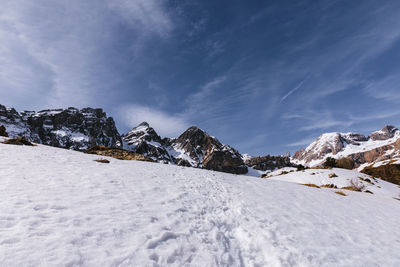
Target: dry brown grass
{"x":351,"y":188}
{"x":329,"y":186}
{"x":311,"y":185}
{"x":20,"y":141}
{"x":366,"y":180}
{"x":340,"y":193}
{"x":117,"y":153}
{"x":321,"y":168}
{"x":332,"y":175}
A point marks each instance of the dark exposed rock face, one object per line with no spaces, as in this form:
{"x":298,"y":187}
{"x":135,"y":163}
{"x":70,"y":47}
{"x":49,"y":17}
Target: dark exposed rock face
{"x":13,"y":122}
{"x":144,"y":140}
{"x":386,"y":133}
{"x":224,"y":161}
{"x":353,"y":138}
{"x":269,"y":162}
{"x":207,"y":152}
{"x":70,"y":128}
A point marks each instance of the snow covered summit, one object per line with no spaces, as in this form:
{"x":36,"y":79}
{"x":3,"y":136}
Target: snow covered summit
{"x":353,"y":145}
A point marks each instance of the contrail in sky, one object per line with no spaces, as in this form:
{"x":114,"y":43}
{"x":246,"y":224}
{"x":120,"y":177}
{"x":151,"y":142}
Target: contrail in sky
{"x":294,"y":89}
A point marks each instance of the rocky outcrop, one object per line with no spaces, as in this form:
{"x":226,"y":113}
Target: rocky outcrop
{"x":14,"y":123}
{"x":224,"y":161}
{"x":67,"y":128}
{"x":268,"y":162}
{"x":3,"y":131}
{"x":385,"y":133}
{"x":388,"y":172}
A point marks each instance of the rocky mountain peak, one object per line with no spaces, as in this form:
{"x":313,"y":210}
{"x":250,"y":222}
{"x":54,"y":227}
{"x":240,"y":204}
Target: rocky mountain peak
{"x":141,"y":132}
{"x":194,"y":148}
{"x":385,"y":133}
{"x":206,"y":151}
{"x":144,"y":140}
{"x":195,"y":141}
{"x":145,"y":124}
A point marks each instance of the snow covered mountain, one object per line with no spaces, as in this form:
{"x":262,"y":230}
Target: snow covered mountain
{"x":61,"y":208}
{"x":144,"y":140}
{"x":193,"y":148}
{"x":380,"y":145}
{"x":67,"y":128}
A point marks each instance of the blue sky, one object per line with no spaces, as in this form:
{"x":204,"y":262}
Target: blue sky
{"x":263,"y":76}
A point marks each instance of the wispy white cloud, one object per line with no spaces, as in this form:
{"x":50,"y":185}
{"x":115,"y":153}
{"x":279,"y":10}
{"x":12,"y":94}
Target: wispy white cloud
{"x":375,"y":116}
{"x":166,"y":124}
{"x":148,"y":15}
{"x":326,"y":124}
{"x":386,"y":88}
{"x":53,"y":53}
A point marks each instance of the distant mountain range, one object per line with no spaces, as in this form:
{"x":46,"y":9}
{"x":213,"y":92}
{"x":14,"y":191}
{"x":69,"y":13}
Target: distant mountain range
{"x":76,"y":129}
{"x":81,"y":129}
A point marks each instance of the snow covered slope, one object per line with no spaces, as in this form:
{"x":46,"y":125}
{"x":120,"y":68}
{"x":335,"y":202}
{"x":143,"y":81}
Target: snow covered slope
{"x":339,"y":178}
{"x":60,"y":208}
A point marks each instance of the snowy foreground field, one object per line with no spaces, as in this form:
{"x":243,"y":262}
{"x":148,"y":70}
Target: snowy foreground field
{"x":61,"y":208}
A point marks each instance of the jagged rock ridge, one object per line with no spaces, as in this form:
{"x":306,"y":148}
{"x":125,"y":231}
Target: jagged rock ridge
{"x":67,"y":128}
